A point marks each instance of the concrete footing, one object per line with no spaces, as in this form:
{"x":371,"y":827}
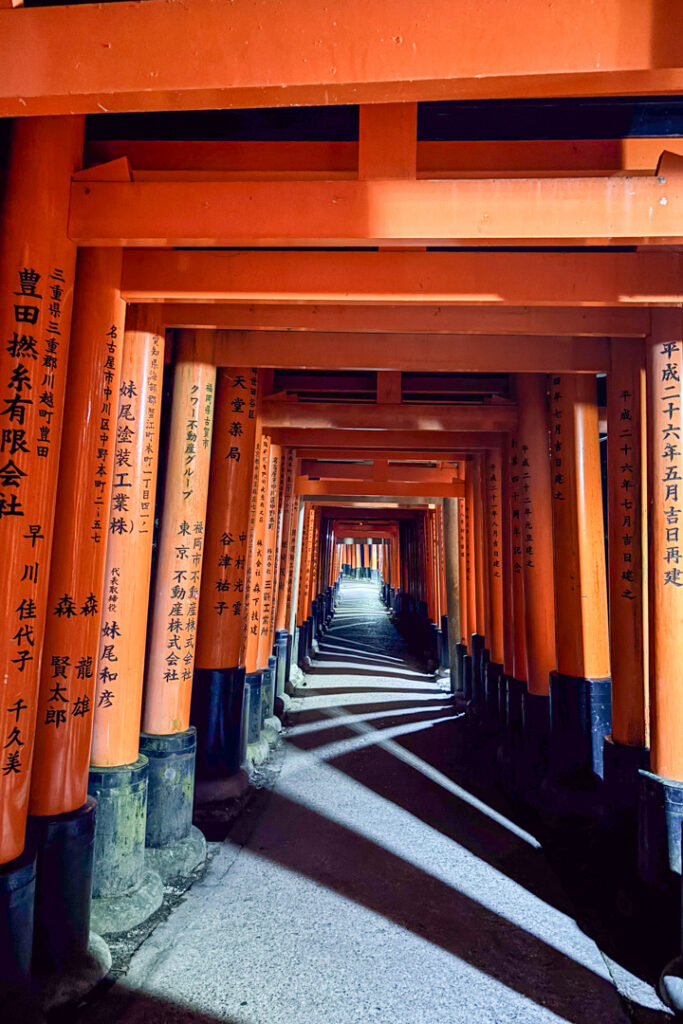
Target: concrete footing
{"x":125,"y":892}
{"x":75,"y":978}
{"x":177,"y":858}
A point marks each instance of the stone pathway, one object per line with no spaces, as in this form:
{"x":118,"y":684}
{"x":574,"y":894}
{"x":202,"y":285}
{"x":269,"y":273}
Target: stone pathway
{"x":371,"y":884}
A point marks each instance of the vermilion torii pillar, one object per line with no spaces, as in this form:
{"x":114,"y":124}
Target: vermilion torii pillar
{"x":37,"y":263}
{"x":517,"y":678}
{"x":626,"y":749}
{"x":453,"y":587}
{"x":167,"y":738}
{"x":661,"y":795}
{"x":479,"y":558}
{"x":218,"y":688}
{"x":125,"y":891}
{"x":580,"y":699}
{"x":537,"y":569}
{"x":493,"y":469}
{"x":59,"y":785}
{"x":471,"y":581}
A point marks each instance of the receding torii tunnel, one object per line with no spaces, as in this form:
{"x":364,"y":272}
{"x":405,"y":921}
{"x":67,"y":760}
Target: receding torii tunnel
{"x":272,"y":406}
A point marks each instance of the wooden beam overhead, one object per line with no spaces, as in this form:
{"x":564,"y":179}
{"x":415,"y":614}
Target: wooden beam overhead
{"x":433,"y":278}
{"x":391,"y":353}
{"x":625,"y":210}
{"x":445,"y":442}
{"x":391,"y":455}
{"x":366,"y":488}
{"x":570,"y":321}
{"x":484,"y":158}
{"x":332,"y":416}
{"x":205,"y":54}
{"x":354,"y":471}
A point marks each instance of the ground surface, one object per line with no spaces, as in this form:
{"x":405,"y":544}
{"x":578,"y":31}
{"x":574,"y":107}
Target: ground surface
{"x":369,"y":883}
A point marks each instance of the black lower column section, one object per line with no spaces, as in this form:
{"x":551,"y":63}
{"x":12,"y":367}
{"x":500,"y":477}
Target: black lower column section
{"x":217,"y":704}
{"x":660,"y":815}
{"x":536,"y":740}
{"x":580,"y":718}
{"x":17,"y":900}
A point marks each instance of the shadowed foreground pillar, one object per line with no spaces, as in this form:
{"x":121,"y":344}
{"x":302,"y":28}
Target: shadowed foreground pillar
{"x":63,"y":816}
{"x":168,"y":741}
{"x":37,"y":264}
{"x":537,"y":572}
{"x":218,"y":690}
{"x":580,"y":690}
{"x":125,"y":891}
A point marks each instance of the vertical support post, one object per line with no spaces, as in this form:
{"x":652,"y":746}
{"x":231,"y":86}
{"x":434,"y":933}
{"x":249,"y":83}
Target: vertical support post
{"x":168,"y":740}
{"x":626,"y":749}
{"x":661,"y":792}
{"x":537,"y":570}
{"x":63,"y":818}
{"x":452,"y":556}
{"x":479,"y":561}
{"x":494,"y":665}
{"x":125,"y":891}
{"x":218,"y":687}
{"x":37,"y":263}
{"x":517,"y":681}
{"x":580,"y":691}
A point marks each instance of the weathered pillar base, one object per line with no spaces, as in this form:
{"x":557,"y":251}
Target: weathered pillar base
{"x":536,"y":739}
{"x":17,"y":901}
{"x":173,"y":846}
{"x":217,"y":702}
{"x":466,"y":676}
{"x":65,"y":963}
{"x":660,"y":814}
{"x":670,"y":986}
{"x":622,"y":767}
{"x":476,"y":652}
{"x":280,"y":651}
{"x":257,"y":746}
{"x":125,"y":891}
{"x":511,"y":750}
{"x":580,"y":718}
{"x":457,"y":681}
{"x":271,"y":726}
{"x":492,"y":682}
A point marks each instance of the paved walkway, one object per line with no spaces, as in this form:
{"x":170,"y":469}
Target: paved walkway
{"x":368,"y":885}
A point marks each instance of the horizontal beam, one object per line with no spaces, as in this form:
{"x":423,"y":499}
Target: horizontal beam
{"x":415,"y":278}
{"x":351,"y":471}
{"x":335,"y":159}
{"x":330,"y":416}
{"x":569,"y":321}
{"x":391,"y":455}
{"x":578,"y":211}
{"x":445,"y":442}
{"x":413,"y":352}
{"x":366,"y":488}
{"x":163,"y":54}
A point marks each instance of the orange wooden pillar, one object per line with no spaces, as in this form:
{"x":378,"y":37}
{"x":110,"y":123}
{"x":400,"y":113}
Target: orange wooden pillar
{"x":256,"y":749}
{"x":480,"y":640}
{"x":494,"y":666}
{"x":454,"y":588}
{"x":118,"y":773}
{"x":537,"y":568}
{"x":580,"y":691}
{"x":218,"y":687}
{"x":626,"y":748}
{"x":471,"y":581}
{"x":62,"y":812}
{"x":283,"y":640}
{"x":37,"y":263}
{"x":462,"y":554}
{"x":516,"y":671}
{"x":266,"y":659}
{"x":37,"y":278}
{"x":661,"y":792}
{"x":167,"y":739}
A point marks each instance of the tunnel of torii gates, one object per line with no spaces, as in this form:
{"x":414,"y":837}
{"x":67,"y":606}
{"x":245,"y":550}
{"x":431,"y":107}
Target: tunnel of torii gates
{"x":202,"y":433}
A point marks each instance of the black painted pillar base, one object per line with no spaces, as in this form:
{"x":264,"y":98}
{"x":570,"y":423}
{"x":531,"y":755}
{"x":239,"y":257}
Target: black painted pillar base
{"x":65,"y":845}
{"x":493,"y":673}
{"x":580,"y":718}
{"x":288,"y":669}
{"x":17,"y":900}
{"x":476,"y":652}
{"x":458,"y":683}
{"x":125,"y":891}
{"x":511,"y":751}
{"x":535,"y":745}
{"x":174,"y":846}
{"x":622,"y":766}
{"x":217,"y":706}
{"x":660,"y":814}
{"x":467,"y":676}
{"x":280,"y":648}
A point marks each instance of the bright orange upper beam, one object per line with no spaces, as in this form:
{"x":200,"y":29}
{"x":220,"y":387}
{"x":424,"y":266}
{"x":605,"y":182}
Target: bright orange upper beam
{"x":199,"y":54}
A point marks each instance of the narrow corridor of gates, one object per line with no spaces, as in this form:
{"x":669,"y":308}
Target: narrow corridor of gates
{"x":374,"y":878}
